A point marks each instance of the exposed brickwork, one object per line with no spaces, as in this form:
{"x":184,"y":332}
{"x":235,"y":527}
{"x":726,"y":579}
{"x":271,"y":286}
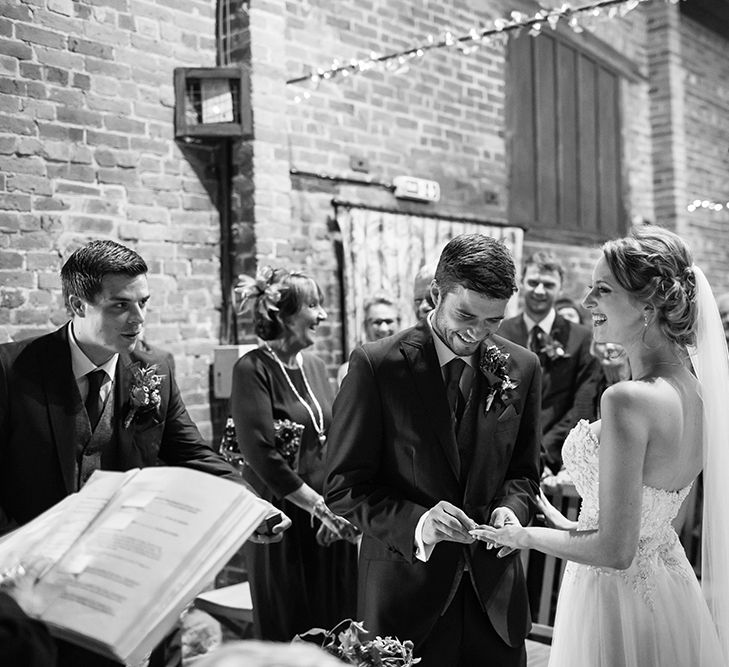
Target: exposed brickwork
{"x":706,"y":89}
{"x":87,"y":150}
{"x":443,"y":120}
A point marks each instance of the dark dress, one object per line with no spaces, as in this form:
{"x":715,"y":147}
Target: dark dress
{"x":295,"y":584}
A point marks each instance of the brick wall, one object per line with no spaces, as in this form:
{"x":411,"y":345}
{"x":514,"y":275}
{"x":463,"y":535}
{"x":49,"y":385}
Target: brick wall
{"x":705,"y":59}
{"x":443,"y":120}
{"x":87,"y":151}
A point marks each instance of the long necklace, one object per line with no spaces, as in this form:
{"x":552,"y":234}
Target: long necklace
{"x":318,"y":425}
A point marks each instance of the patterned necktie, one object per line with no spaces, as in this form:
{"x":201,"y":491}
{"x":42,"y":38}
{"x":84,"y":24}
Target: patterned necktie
{"x":94,"y":404}
{"x":453,"y":371}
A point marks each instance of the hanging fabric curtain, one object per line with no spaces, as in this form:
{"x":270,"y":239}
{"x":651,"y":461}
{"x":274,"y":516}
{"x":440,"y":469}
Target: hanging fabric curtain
{"x":382,"y":252}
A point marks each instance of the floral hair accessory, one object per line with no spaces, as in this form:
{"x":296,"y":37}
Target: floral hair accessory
{"x":494,"y":367}
{"x":144,"y":391}
{"x":347,"y":645}
{"x":262,"y":290}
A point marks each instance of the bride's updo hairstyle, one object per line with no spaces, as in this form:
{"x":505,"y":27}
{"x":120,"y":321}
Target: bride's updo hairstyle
{"x":655,"y":265}
{"x":291,"y":290}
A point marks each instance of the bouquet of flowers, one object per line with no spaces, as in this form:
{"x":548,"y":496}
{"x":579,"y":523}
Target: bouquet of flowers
{"x":287,"y":439}
{"x":344,"y":641}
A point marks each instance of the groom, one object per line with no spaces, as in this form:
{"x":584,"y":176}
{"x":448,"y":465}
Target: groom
{"x":431,"y":439}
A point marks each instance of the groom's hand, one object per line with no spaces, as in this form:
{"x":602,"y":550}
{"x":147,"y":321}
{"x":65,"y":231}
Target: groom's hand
{"x":447,"y":523}
{"x":500,"y":517}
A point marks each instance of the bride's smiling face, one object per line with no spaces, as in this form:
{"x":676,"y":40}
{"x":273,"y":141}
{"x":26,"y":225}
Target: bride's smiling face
{"x":617,"y":316}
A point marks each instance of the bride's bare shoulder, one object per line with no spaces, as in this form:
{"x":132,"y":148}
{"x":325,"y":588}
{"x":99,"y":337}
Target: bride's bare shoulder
{"x":639,"y":403}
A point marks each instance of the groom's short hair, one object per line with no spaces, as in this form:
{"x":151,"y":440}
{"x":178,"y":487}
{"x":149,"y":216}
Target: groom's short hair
{"x":85,"y":269}
{"x":479,"y":263}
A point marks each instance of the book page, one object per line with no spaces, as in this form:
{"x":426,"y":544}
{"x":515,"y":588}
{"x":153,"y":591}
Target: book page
{"x":135,"y":566}
{"x":50,"y":535}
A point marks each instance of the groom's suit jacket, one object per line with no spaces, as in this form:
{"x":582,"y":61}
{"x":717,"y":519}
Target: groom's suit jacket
{"x":393,"y":455}
{"x":569,"y":383}
{"x":42,"y":421}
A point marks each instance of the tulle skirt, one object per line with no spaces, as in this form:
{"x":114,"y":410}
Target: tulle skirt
{"x":639,"y":617}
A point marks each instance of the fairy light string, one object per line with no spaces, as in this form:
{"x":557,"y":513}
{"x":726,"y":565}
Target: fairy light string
{"x":398,"y":62}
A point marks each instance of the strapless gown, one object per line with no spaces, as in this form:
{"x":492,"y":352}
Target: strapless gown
{"x":652,"y":614}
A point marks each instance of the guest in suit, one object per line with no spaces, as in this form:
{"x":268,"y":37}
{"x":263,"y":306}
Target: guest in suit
{"x":71,"y":401}
{"x":66,"y":407}
{"x":281,"y":403}
{"x":436,"y":431}
{"x":570,"y":372}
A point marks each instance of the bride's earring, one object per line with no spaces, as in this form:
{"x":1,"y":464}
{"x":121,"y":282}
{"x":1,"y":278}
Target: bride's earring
{"x":645,"y":319}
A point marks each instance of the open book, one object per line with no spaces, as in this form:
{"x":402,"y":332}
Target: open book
{"x":127,"y":553}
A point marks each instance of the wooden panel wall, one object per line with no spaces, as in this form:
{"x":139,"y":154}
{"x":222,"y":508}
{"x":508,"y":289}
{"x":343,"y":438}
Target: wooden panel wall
{"x":564,"y":129}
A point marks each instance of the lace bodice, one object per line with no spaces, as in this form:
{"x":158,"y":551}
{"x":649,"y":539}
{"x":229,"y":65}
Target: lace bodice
{"x":658,"y":544}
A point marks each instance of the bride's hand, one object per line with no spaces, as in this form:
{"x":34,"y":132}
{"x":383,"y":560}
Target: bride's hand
{"x":552,"y":516}
{"x":508,"y":538}
{"x":501,"y":533}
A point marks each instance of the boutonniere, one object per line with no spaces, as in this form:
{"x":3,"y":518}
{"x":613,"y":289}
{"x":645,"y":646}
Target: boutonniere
{"x":552,"y":349}
{"x":143,"y":391}
{"x":494,"y":367}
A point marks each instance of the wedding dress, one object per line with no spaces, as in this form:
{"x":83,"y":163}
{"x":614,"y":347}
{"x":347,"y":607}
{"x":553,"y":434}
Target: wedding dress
{"x":652,"y":614}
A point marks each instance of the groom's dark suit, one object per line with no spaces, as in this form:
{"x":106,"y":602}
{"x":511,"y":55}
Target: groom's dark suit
{"x":394,"y":455}
{"x":43,"y":420}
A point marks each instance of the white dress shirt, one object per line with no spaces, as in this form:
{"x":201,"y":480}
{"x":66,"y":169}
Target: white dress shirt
{"x":545,"y":324}
{"x":82,"y":365}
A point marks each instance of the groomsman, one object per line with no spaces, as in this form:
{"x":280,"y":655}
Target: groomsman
{"x":435,"y":431}
{"x":69,"y":400}
{"x":72,"y":401}
{"x":570,"y":372}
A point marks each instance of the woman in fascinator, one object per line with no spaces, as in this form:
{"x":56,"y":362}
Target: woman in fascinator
{"x":281,"y":404}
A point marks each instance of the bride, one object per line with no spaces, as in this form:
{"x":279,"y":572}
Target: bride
{"x":629,"y":596}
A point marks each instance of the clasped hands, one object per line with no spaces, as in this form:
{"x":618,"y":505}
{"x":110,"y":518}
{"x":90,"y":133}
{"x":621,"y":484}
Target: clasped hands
{"x":447,"y":523}
{"x":333,"y":527}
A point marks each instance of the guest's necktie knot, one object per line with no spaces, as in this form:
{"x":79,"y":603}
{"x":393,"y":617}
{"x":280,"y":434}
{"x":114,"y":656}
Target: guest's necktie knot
{"x":94,"y":404}
{"x":537,"y":339}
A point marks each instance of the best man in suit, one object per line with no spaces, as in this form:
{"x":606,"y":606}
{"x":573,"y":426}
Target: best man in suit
{"x":570,"y":372}
{"x":65,"y":401}
{"x":427,"y":444}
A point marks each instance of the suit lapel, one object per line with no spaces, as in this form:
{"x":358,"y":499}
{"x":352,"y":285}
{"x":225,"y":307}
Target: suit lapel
{"x":488,"y":450}
{"x":68,"y":420}
{"x":419,"y":351}
{"x":125,"y":456}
